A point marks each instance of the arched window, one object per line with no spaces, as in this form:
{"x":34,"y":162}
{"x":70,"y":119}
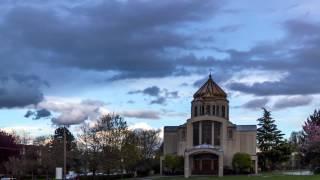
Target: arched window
{"x":218,"y":110}
{"x":206,"y":136}
{"x":214,"y":110}
{"x":230,"y":133}
{"x":202,"y":110}
{"x":208,"y":112}
{"x":217,"y":133}
{"x":223,"y":109}
{"x":195,"y":111}
{"x":195,"y":126}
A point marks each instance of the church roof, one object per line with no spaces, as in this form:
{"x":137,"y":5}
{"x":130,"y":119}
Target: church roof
{"x":246,"y":128}
{"x":210,"y":89}
{"x":171,"y":128}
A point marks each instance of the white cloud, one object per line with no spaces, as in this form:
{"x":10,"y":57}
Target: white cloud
{"x":32,"y":131}
{"x":73,"y":111}
{"x":145,"y":126}
{"x":251,"y":76}
{"x":140,"y":125}
{"x":141,"y":114}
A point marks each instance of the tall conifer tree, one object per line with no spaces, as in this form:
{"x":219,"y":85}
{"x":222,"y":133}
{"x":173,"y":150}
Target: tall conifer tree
{"x":270,"y":141}
{"x":268,"y":135}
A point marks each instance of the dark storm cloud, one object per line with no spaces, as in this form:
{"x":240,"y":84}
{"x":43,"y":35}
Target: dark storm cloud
{"x":161,"y":95}
{"x":294,"y":84}
{"x":142,"y":39}
{"x":297,"y":55}
{"x":217,"y":77}
{"x":38,"y":114}
{"x":200,"y":82}
{"x":256,"y":103}
{"x":163,"y":98}
{"x":151,"y":91}
{"x":159,"y":100}
{"x":17,"y":91}
{"x":129,"y":38}
{"x":289,"y":102}
{"x":173,"y":94}
{"x":230,"y":28}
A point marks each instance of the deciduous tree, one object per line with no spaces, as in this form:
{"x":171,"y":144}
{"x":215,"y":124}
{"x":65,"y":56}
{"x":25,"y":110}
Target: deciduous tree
{"x":311,"y":139}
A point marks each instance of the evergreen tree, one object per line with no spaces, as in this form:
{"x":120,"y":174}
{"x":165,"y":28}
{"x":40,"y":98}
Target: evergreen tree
{"x":270,"y":142}
{"x":268,"y":135}
{"x":57,"y":147}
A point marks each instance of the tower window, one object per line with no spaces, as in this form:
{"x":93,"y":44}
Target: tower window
{"x":183,"y":134}
{"x":208,"y":112}
{"x":223,"y":109}
{"x":195,"y":133}
{"x":218,"y":110}
{"x":202,"y":110}
{"x":206,"y":132}
{"x":195,"y":111}
{"x":214,"y":110}
{"x":230,"y":133}
{"x":217,"y":133}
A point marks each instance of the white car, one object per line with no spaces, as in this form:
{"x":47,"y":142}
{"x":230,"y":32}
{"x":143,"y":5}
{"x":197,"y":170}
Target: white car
{"x":71,"y":175}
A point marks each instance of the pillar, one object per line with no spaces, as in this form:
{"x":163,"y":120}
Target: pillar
{"x":212,"y":131}
{"x":186,"y":166}
{"x":200,"y":132}
{"x":256,"y":166}
{"x":161,"y":165}
{"x":220,"y":174}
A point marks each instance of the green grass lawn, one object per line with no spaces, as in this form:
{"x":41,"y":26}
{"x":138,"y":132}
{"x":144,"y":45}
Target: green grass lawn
{"x":260,"y":177}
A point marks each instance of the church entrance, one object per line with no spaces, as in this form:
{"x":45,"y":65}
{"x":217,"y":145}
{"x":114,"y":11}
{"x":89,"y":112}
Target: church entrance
{"x":205,"y":164}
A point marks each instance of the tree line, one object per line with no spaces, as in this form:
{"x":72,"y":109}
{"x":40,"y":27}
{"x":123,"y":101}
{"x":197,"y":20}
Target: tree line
{"x":300,"y":151}
{"x":103,"y":148}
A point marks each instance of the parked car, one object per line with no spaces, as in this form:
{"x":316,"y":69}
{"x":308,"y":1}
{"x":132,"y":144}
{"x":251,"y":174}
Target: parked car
{"x":8,"y":178}
{"x":72,"y":176}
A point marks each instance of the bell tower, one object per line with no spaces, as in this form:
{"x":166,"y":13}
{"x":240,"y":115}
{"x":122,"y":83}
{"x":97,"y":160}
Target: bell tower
{"x":210,"y":100}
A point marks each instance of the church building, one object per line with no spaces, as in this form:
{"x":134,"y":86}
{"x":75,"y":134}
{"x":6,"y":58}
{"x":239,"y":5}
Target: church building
{"x":208,"y":139}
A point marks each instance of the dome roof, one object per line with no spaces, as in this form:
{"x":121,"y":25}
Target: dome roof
{"x":210,"y":89}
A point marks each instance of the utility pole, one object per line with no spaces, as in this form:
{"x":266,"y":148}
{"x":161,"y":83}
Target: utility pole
{"x":64,"y":153}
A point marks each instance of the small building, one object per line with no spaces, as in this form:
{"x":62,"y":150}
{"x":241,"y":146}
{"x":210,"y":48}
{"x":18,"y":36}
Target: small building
{"x":208,"y":140}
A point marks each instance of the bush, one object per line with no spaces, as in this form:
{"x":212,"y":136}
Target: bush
{"x":143,"y":168}
{"x":174,"y":164}
{"x":227,"y":170}
{"x":241,"y":163}
{"x":316,"y":170}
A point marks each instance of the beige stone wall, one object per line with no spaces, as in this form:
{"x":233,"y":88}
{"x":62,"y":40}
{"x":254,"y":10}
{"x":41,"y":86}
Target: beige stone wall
{"x":244,"y":141}
{"x":170,"y":142}
{"x":248,"y":142}
{"x":189,"y":139}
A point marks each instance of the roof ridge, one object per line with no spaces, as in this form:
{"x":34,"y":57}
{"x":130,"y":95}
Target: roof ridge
{"x":210,"y":88}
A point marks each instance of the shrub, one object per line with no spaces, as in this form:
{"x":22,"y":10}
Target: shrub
{"x":143,"y":168}
{"x":241,"y":163}
{"x":227,"y":170}
{"x":316,"y":170}
{"x":174,"y":163}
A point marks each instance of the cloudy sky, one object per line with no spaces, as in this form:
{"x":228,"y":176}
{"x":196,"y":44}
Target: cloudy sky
{"x":66,"y":62}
